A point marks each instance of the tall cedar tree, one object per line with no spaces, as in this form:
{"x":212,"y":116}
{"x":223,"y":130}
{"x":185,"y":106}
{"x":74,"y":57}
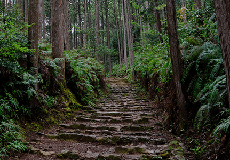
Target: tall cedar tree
{"x":123,"y":16}
{"x":57,"y":35}
{"x":40,"y":19}
{"x":158,"y":20}
{"x":197,"y":4}
{"x":33,"y":36}
{"x":108,"y":34}
{"x":97,"y":23}
{"x":222,"y":9}
{"x":176,"y":61}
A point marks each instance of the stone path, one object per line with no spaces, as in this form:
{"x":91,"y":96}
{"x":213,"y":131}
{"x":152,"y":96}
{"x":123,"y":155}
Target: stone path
{"x":122,"y":126}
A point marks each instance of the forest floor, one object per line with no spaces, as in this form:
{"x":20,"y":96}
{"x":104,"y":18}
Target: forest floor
{"x":121,"y":126}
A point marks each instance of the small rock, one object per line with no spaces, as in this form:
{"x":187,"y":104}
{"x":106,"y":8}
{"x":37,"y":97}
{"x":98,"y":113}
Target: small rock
{"x":89,"y":152}
{"x":64,"y":151}
{"x":49,"y":153}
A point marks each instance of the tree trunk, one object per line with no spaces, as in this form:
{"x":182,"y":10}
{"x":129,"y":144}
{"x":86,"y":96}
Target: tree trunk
{"x":33,"y":37}
{"x":108,"y":35}
{"x":197,"y":4}
{"x":158,"y":20}
{"x":176,"y":61}
{"x":85,"y":21}
{"x":97,"y":23}
{"x":80,"y":23}
{"x":89,"y":15}
{"x":20,"y":6}
{"x":118,"y":37}
{"x":57,"y":36}
{"x":3,"y":5}
{"x":130,"y":39}
{"x":70,"y":35}
{"x":222,"y":9}
{"x":125,"y":54}
{"x":102,"y":26}
{"x":66,"y":24}
{"x":40,"y":19}
{"x":121,"y":34}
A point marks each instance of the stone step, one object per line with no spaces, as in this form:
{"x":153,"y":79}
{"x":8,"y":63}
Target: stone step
{"x":108,"y":140}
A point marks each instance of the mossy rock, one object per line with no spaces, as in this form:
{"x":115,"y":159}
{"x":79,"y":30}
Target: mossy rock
{"x":115,"y":121}
{"x":75,"y":137}
{"x":165,"y":155}
{"x":81,"y":119}
{"x":144,"y":157}
{"x":121,"y":150}
{"x":103,"y":140}
{"x":142,"y":120}
{"x":106,"y":128}
{"x":137,"y":128}
{"x":68,"y":155}
{"x":110,"y":157}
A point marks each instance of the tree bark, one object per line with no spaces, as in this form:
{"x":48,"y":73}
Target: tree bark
{"x":89,"y":15}
{"x":80,"y":23}
{"x":57,"y":36}
{"x":158,"y":20}
{"x":197,"y":4}
{"x":176,"y":61}
{"x":108,"y":35}
{"x":20,"y":6}
{"x":102,"y":26}
{"x":33,"y":37}
{"x":124,"y":30}
{"x":121,"y":30}
{"x":66,"y":24}
{"x":97,"y":23}
{"x":40,"y":19}
{"x":222,"y":9}
{"x":118,"y":36}
{"x":85,"y":21}
{"x":130,"y":39}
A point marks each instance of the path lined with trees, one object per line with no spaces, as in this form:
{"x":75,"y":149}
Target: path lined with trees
{"x":122,"y":126}
{"x":56,"y":54}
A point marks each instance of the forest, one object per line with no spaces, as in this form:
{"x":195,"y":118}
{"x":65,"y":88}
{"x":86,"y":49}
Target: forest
{"x":65,"y":61}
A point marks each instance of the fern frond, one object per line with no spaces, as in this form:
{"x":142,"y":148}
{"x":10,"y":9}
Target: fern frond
{"x":224,"y":125}
{"x":202,"y":116}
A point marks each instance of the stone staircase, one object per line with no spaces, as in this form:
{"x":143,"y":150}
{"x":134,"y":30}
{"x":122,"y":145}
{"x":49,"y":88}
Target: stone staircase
{"x":122,"y":126}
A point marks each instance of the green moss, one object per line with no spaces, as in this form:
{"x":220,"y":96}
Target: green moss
{"x":69,"y":155}
{"x":51,"y":120}
{"x":71,"y":101}
{"x":142,"y":120}
{"x":121,"y":150}
{"x":110,"y":157}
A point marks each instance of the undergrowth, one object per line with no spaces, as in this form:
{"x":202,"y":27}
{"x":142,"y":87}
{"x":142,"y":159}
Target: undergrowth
{"x":20,"y":102}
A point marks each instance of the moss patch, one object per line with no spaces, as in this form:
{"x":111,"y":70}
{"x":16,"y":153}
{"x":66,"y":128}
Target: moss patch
{"x":69,"y":155}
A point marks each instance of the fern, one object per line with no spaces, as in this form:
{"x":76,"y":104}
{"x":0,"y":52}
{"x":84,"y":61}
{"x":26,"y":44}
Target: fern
{"x":10,"y":139}
{"x":202,"y":116}
{"x":224,"y":125}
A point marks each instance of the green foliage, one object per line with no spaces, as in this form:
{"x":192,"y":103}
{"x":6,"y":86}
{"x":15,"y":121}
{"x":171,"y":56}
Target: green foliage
{"x":88,"y":73}
{"x":153,"y":59}
{"x":10,"y":139}
{"x":223,"y":126}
